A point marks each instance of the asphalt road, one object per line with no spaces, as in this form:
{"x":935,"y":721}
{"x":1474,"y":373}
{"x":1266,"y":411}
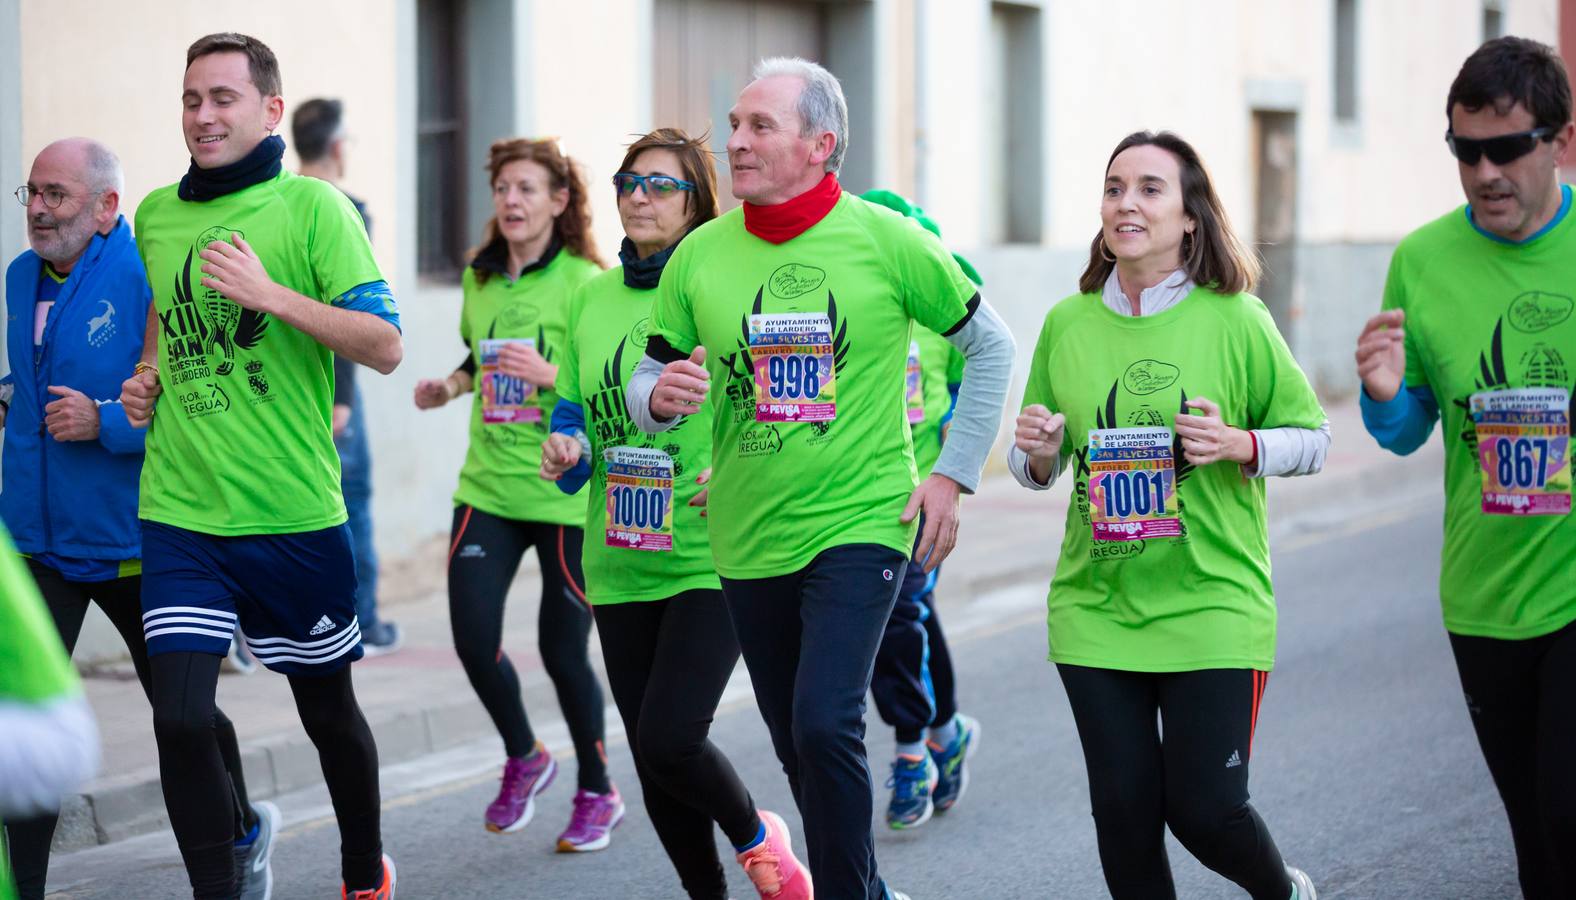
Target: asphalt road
{"x":1364,"y":766}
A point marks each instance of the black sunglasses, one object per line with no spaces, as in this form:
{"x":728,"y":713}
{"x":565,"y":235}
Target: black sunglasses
{"x":1501,"y":150}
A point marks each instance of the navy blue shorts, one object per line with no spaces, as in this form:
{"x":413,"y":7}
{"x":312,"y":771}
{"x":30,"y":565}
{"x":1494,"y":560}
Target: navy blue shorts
{"x":293,"y":596}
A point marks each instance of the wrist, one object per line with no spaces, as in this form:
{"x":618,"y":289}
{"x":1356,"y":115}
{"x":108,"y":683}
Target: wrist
{"x":1241,"y":446}
{"x":451,"y":386}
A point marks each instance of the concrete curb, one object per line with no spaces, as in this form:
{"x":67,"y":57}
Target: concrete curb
{"x":115,"y":808}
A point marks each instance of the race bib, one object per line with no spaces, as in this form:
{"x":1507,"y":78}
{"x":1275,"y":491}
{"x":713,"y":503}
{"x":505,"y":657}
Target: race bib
{"x":914,"y":387}
{"x":792,"y":358}
{"x":639,"y":499}
{"x":505,"y":399}
{"x":1132,"y":484}
{"x":1524,"y":444}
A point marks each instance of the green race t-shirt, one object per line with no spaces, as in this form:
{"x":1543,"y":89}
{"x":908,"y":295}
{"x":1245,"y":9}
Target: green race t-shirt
{"x":241,"y":440}
{"x":823,"y":457}
{"x":633,"y":559}
{"x":940,"y":365}
{"x":1484,"y":316}
{"x":34,"y":668}
{"x":1180,"y":579}
{"x":502,"y":471}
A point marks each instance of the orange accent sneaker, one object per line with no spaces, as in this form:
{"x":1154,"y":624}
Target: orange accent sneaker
{"x":771,"y":865}
{"x":384,"y":891}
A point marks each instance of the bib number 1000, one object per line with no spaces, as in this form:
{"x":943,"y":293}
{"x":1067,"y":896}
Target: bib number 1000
{"x":635,"y":507}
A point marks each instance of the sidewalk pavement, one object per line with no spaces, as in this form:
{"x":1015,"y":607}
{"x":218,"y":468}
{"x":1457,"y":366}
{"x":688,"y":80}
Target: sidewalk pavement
{"x":418,"y":700}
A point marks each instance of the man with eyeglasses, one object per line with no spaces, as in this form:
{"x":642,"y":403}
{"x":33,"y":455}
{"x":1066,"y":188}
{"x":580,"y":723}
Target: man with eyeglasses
{"x":1478,"y":329}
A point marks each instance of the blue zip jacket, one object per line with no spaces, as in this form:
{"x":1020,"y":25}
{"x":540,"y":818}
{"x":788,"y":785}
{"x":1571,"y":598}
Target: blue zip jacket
{"x":75,"y":498}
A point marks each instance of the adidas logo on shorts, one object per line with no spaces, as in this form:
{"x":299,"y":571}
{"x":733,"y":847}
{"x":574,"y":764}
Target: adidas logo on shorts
{"x":323,"y":625}
{"x":1234,"y":761}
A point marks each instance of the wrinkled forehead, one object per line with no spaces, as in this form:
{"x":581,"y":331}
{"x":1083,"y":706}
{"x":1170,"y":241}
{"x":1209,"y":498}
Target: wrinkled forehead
{"x":775,"y":97}
{"x":59,"y":166}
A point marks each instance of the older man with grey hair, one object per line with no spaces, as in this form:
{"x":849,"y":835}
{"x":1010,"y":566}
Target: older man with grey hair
{"x":800,"y":305}
{"x":77,"y":308}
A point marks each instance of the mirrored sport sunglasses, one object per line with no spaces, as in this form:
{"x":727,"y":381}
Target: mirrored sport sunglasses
{"x":655,"y":185}
{"x":1500,"y":150}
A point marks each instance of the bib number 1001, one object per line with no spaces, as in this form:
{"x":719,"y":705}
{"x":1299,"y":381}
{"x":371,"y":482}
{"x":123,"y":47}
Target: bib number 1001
{"x":1135,"y":494}
{"x":793,"y":376}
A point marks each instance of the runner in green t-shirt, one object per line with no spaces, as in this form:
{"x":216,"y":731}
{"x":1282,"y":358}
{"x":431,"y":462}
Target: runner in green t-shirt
{"x":51,"y":741}
{"x":914,"y":685}
{"x":259,"y":277}
{"x":667,"y":638}
{"x":1164,"y":385}
{"x":1478,"y":329}
{"x":798,"y":305}
{"x":536,"y":251}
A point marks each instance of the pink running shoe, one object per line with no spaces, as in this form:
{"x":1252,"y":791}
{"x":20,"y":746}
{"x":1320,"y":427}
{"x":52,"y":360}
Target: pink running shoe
{"x":771,"y":864}
{"x":591,"y":824}
{"x":523,"y":778}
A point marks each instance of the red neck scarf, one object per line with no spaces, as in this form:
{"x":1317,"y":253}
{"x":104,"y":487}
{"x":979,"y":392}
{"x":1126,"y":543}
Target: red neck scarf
{"x":785,"y":221}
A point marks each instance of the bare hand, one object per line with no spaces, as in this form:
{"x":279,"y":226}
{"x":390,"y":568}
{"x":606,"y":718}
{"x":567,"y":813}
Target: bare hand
{"x":341,"y":419}
{"x":1039,"y":435}
{"x":682,"y":387}
{"x":937,"y":497}
{"x":139,"y":394}
{"x":700,"y":498}
{"x":432,"y":393}
{"x":74,"y":417}
{"x":560,"y":453}
{"x":1207,"y":439}
{"x":518,"y":359}
{"x":1381,"y":355}
{"x":234,"y":270}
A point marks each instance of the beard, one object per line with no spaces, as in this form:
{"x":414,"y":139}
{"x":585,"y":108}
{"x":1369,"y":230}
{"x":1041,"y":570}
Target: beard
{"x":68,"y":239}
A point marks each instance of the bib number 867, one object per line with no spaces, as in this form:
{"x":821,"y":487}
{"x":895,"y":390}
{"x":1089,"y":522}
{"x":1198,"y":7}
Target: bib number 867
{"x":639,"y":507}
{"x":1517,"y":468}
{"x":1134,"y":493}
{"x":793,"y":376}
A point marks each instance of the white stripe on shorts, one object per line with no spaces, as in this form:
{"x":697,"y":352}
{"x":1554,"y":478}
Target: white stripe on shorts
{"x":279,"y":643}
{"x":158,"y":632}
{"x":346,"y":643}
{"x":168,"y":610}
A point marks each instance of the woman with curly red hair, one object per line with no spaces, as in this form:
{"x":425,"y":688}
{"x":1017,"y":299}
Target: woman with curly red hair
{"x":535,"y":251}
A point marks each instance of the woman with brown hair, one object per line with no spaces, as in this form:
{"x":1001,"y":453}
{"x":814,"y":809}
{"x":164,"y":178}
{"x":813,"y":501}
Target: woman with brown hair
{"x":667,"y":637}
{"x":1171,"y":392}
{"x":536,"y":250}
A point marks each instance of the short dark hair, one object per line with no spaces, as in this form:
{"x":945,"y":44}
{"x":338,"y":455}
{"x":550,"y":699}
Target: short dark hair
{"x":1510,"y":70}
{"x":314,"y":127}
{"x":260,"y":61}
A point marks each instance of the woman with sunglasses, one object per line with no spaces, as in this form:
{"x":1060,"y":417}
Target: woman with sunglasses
{"x":536,"y":249}
{"x":667,"y":638}
{"x":1170,"y":392}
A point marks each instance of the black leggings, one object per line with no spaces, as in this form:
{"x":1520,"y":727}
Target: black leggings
{"x":1195,"y":781}
{"x":1522,"y":696}
{"x":120,"y":599}
{"x":668,"y":662}
{"x":484,"y":555}
{"x":196,"y":788}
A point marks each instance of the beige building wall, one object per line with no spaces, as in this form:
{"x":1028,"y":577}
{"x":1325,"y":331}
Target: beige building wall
{"x":128,"y":93}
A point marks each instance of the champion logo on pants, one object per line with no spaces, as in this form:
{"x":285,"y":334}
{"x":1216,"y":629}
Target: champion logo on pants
{"x":323,"y":626}
{"x":1234,"y":761}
